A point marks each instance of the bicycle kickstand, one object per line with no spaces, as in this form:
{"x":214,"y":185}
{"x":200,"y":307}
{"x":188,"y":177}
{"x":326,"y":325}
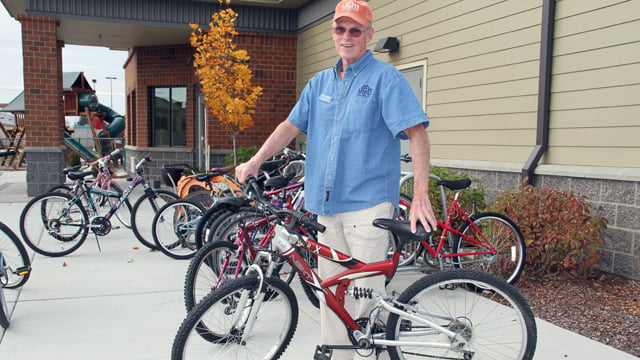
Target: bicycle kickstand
{"x":98,"y":242}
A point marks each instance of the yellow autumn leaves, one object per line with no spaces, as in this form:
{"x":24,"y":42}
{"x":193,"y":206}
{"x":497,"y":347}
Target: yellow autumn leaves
{"x":223,"y":72}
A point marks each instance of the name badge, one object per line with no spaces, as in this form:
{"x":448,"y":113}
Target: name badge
{"x":325,"y":98}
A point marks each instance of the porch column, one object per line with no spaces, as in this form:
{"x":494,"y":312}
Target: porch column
{"x":44,"y":116}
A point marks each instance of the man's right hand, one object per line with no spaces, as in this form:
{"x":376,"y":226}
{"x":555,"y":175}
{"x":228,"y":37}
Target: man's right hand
{"x":245,"y":169}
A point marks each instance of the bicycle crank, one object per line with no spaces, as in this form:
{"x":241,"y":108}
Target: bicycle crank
{"x":100,"y":226}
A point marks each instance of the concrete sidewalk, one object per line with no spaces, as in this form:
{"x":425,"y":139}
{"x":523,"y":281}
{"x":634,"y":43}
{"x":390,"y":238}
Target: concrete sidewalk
{"x":126,"y":302}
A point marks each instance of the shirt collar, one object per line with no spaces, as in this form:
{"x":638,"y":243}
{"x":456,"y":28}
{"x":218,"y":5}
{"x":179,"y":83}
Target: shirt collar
{"x":357,"y":66}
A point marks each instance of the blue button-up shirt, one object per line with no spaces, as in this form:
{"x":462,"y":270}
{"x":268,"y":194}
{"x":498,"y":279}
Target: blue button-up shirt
{"x":353,"y":127}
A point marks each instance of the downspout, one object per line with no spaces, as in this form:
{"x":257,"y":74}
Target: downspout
{"x":544,"y":91}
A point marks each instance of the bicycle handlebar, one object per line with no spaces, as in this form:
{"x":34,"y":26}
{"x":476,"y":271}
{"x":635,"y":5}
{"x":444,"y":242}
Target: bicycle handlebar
{"x":299,"y":217}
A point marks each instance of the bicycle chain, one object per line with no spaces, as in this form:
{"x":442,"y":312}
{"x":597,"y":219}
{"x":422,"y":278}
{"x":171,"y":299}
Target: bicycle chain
{"x":439,"y":357}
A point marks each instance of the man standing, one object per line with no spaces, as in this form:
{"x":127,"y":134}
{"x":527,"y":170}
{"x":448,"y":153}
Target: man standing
{"x":354,"y":116}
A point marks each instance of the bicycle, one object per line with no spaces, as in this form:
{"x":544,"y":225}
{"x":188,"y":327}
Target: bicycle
{"x":57,"y":224}
{"x":485,"y":241}
{"x":443,"y":315}
{"x":102,"y":180}
{"x":15,"y":265}
{"x":206,"y":188}
{"x":232,"y":249}
{"x":173,"y":228}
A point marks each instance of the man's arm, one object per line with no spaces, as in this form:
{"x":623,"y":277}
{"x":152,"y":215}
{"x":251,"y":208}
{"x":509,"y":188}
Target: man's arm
{"x":421,"y":210}
{"x":279,"y":138}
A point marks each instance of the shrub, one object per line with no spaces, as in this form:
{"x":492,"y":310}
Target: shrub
{"x":560,"y":233}
{"x":243,"y":153}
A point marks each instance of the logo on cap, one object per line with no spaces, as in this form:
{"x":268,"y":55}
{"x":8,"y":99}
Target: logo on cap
{"x":350,"y":6}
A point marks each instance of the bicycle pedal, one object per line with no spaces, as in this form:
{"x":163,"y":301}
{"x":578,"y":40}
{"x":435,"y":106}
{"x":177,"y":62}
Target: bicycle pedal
{"x":322,"y":353}
{"x":22,"y":271}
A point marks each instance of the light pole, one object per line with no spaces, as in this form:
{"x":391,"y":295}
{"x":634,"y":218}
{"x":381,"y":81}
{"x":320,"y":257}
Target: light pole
{"x":111,"y":78}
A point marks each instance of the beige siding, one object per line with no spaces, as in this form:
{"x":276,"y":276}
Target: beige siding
{"x":482,"y":76}
{"x":595,"y":117}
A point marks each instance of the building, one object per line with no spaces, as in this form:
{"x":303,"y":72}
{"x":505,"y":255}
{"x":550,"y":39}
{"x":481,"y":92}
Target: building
{"x":543,"y":89}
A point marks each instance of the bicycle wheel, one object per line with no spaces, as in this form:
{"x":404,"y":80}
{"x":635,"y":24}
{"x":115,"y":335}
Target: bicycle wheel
{"x":202,"y":198}
{"x":16,"y":266}
{"x":4,"y":310}
{"x":496,"y":323}
{"x":214,"y":264}
{"x":60,"y":188}
{"x":226,"y":323}
{"x":499,"y":232}
{"x":174,"y":228}
{"x":124,"y":211}
{"x":209,"y":217}
{"x":52,"y":225}
{"x":145,"y":208}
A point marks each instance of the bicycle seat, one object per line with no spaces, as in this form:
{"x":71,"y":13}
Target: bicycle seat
{"x":222,"y":170}
{"x":206,"y":176}
{"x":278,"y":182}
{"x":402,"y":229}
{"x":269,"y":166}
{"x":79,"y":175}
{"x":65,"y":171}
{"x":455,"y":184}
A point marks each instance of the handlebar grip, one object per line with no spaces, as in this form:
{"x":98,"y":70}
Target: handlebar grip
{"x":307,"y":221}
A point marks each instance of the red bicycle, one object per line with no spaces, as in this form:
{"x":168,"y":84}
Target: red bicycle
{"x":457,"y":314}
{"x":487,"y":241}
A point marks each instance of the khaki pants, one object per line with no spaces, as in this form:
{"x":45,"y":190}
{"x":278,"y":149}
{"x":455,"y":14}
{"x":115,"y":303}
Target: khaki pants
{"x":353,"y":234}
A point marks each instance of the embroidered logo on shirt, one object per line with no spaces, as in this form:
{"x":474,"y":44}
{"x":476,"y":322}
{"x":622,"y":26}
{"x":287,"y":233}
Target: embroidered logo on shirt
{"x":365,"y":91}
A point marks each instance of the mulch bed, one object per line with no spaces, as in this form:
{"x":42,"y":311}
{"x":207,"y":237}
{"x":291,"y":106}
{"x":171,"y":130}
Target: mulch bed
{"x":604,"y":307}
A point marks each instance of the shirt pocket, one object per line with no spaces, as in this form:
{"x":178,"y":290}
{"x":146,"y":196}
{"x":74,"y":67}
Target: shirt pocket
{"x":362,"y":116}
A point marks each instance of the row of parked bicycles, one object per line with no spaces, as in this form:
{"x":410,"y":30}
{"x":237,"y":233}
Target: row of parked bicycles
{"x":246,"y":244}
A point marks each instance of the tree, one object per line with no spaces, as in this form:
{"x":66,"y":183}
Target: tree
{"x":224,"y":74}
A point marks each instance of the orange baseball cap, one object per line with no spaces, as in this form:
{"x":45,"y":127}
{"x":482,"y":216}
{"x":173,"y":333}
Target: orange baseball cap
{"x":355,"y":10}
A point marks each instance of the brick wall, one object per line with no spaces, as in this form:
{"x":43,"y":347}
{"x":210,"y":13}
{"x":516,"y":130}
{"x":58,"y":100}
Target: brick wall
{"x":273,"y":59}
{"x":44,"y":116}
{"x":42,"y":57}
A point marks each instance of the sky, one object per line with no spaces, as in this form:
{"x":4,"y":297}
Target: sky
{"x":96,"y":63}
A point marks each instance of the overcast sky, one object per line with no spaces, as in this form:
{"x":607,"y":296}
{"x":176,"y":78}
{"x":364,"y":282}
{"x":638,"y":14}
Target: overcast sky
{"x":96,"y":63}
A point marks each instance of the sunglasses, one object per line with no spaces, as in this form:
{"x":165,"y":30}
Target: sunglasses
{"x":354,"y":31}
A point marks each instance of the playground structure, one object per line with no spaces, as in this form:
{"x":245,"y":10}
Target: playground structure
{"x":79,"y":100}
{"x":106,"y":125}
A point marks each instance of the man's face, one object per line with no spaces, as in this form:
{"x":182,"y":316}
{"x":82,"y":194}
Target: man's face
{"x":350,"y":39}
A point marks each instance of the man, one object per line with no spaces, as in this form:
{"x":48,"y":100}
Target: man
{"x":354,"y":116}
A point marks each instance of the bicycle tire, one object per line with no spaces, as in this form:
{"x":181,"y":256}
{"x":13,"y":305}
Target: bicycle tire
{"x":123,"y":213}
{"x":4,"y":310}
{"x":173,"y":228}
{"x":210,"y":330}
{"x":205,"y":223}
{"x":496,"y":321}
{"x":143,"y":212}
{"x":504,"y":235}
{"x":213,"y":264}
{"x":54,"y":235}
{"x":17,"y":263}
{"x":222,"y":220}
{"x":202,"y":198}
{"x":60,"y":188}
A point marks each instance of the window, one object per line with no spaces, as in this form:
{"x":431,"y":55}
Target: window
{"x":169,"y":116}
